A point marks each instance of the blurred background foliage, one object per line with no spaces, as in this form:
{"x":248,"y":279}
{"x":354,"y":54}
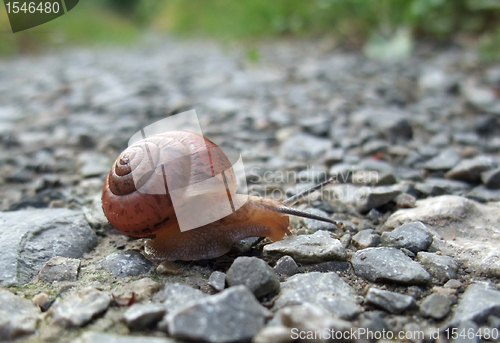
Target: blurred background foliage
{"x":374,"y":25}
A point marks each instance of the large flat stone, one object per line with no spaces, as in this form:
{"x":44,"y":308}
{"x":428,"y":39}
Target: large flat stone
{"x":462,"y":228}
{"x":29,"y":238}
{"x":326,"y":290}
{"x":388,"y":264}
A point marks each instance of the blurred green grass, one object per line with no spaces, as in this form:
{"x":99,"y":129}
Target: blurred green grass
{"x":88,"y":23}
{"x":372,"y":24}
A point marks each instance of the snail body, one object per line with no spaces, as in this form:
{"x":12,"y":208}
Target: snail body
{"x":137,"y":199}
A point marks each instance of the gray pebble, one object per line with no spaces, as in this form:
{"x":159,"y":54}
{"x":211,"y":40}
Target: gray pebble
{"x":366,"y":238}
{"x":319,"y":247}
{"x":28,"y":239}
{"x":470,"y":170}
{"x":373,"y":320}
{"x":93,"y":164}
{"x":446,"y":160}
{"x":491,"y":178}
{"x":286,"y":266}
{"x":483,"y":194}
{"x":478,"y":302}
{"x":413,"y":236}
{"x":435,"y":186}
{"x":254,"y":273}
{"x":463,"y":331}
{"x":78,"y":309}
{"x":440,"y":267}
{"x":231,"y":315}
{"x":390,"y":301}
{"x":388,"y":264}
{"x":316,"y":225}
{"x":143,"y":316}
{"x":376,"y":197}
{"x":405,"y":200}
{"x":60,"y":269}
{"x":325,"y":290}
{"x":18,"y":316}
{"x":176,"y":296}
{"x":494,"y":321}
{"x":217,"y":280}
{"x":245,"y":245}
{"x":303,"y":146}
{"x":436,"y":306}
{"x":453,"y":283}
{"x":126,"y":263}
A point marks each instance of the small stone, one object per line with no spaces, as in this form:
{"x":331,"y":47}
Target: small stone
{"x":414,"y":291}
{"x":168,"y":268}
{"x":405,"y":200}
{"x":325,"y":290}
{"x":94,"y":213}
{"x":413,"y":236}
{"x":274,"y":334}
{"x":440,"y":267}
{"x":318,"y":126}
{"x":453,"y":283}
{"x":491,"y":178}
{"x":177,"y":296}
{"x":443,"y":290}
{"x":254,"y":273}
{"x":373,"y":321}
{"x":319,"y":247}
{"x":376,"y":197}
{"x":450,"y":219}
{"x":483,"y":194}
{"x":231,"y":315}
{"x":286,"y":266}
{"x":388,"y":264}
{"x":143,"y":316}
{"x":126,"y":263}
{"x":334,"y":156}
{"x":303,"y":146}
{"x":470,"y":170}
{"x":446,"y":160}
{"x":345,"y":240}
{"x":390,"y":301}
{"x":332,"y":266}
{"x":316,"y":225}
{"x":93,"y":164}
{"x":479,"y":301}
{"x":466,"y":327}
{"x":78,"y":309}
{"x":18,"y":316}
{"x":217,"y":280}
{"x":29,"y":238}
{"x":436,"y":306}
{"x":60,"y":269}
{"x":245,"y":245}
{"x":40,"y":299}
{"x":366,"y":238}
{"x":494,"y":322}
{"x":435,"y":187}
{"x":373,"y":146}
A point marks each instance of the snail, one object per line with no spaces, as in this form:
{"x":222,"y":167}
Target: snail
{"x":138,"y":201}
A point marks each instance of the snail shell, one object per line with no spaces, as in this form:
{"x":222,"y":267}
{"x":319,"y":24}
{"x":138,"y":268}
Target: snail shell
{"x":172,"y":161}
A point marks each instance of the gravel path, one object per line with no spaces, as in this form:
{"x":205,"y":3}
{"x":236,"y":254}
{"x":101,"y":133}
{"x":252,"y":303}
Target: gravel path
{"x":414,"y":146}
